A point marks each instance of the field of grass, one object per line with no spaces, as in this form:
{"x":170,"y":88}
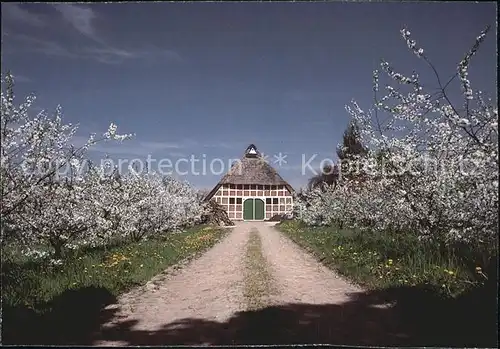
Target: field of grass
{"x":446,"y":296}
{"x":116,"y":268}
{"x":34,"y":288}
{"x":386,"y":260}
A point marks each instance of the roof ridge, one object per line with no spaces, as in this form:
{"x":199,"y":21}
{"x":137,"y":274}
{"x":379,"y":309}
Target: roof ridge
{"x":252,"y":170}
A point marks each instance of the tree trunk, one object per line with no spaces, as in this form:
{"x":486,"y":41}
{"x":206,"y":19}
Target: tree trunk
{"x":57,"y":245}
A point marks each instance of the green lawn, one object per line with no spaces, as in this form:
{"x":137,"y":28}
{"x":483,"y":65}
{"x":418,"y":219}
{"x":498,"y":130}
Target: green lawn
{"x":35,"y":284}
{"x":445,"y":296}
{"x":387,"y":260}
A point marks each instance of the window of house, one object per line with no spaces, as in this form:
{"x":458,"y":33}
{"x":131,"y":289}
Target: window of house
{"x":275,"y":201}
{"x":268,"y":201}
{"x":231,"y":201}
{"x":238,"y":201}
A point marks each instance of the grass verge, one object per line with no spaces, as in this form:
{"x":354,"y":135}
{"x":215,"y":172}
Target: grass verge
{"x":386,"y":260}
{"x":258,"y":279}
{"x":35,"y":284}
{"x":445,"y":295}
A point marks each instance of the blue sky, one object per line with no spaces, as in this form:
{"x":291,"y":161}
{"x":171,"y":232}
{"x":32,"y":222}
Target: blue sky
{"x":211,"y":78}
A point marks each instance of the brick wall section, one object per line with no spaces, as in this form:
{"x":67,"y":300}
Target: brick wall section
{"x":277,"y":199}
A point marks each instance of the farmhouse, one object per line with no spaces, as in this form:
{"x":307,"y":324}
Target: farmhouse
{"x":252,"y":189}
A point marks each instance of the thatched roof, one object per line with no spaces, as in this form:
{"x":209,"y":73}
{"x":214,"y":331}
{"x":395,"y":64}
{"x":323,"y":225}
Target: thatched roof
{"x":251,"y":169}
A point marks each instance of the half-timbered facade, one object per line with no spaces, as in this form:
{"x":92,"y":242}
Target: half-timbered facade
{"x":253,"y":190}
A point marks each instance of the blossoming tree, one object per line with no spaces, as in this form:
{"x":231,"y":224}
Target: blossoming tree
{"x":431,"y":166}
{"x":53,"y":195}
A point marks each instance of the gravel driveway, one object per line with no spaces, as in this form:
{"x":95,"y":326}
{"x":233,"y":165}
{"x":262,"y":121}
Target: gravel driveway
{"x":207,"y":301}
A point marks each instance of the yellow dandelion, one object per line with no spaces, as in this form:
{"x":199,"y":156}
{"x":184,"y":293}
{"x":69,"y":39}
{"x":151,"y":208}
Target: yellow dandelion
{"x":389,"y":261}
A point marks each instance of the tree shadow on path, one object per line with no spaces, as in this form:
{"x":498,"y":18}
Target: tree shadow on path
{"x":68,"y":319}
{"x":416,"y":318}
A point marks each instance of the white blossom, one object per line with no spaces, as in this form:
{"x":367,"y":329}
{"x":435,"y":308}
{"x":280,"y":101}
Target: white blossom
{"x":436,"y":170}
{"x":51,"y":195}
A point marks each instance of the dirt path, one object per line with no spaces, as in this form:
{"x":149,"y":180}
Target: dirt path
{"x":299,"y":277}
{"x":208,"y":301}
{"x":209,"y":288}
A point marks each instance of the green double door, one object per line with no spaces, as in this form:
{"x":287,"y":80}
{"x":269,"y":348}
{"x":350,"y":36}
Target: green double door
{"x":253,"y":209}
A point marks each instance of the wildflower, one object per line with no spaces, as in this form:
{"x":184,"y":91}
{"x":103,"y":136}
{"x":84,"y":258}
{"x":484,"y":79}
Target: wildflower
{"x":389,"y":261}
{"x":478,"y":269}
{"x":451,"y":273}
